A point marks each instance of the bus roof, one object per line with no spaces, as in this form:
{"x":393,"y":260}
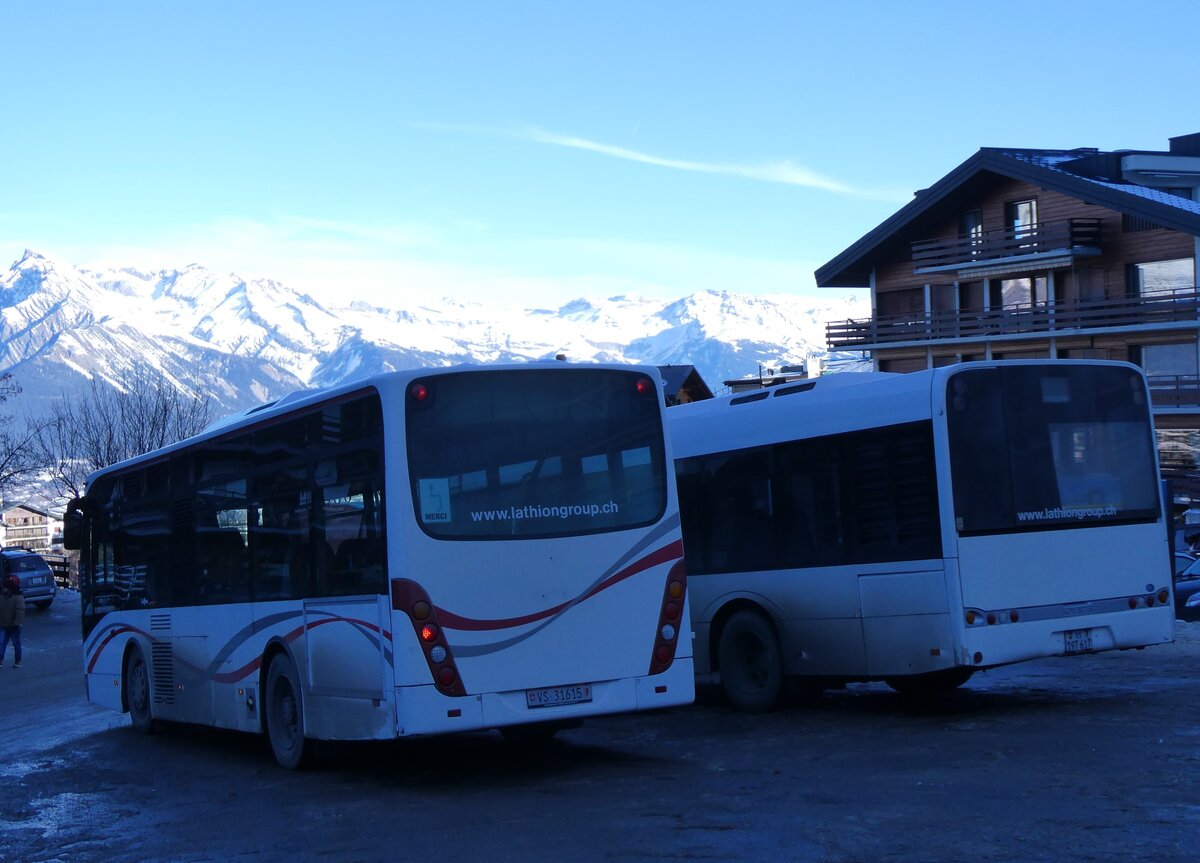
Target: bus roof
{"x":849,"y":401}
{"x":392,"y":381}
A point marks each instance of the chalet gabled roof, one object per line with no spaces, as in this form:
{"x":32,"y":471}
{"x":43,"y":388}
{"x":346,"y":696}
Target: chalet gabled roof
{"x":1076,"y":173}
{"x":674,"y":378}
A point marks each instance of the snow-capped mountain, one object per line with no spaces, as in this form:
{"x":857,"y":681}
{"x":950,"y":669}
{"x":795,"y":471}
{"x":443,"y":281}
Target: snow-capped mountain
{"x":243,"y":342}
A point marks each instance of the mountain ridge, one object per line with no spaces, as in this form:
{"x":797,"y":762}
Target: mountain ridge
{"x":247,"y":341}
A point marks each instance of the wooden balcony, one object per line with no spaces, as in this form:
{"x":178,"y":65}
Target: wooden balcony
{"x":1174,"y":391}
{"x":1023,"y":319}
{"x":1040,"y":239}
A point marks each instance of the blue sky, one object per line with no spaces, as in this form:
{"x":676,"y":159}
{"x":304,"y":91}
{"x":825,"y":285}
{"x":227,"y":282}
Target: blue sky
{"x":535,"y":152}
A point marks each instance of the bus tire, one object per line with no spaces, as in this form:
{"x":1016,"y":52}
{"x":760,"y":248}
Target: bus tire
{"x":285,"y":715}
{"x":750,"y":662}
{"x":931,"y":683}
{"x":135,"y":682}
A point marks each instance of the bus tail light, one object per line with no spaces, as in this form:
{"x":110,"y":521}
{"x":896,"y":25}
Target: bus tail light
{"x":667,"y":636}
{"x":411,"y":599}
{"x":1163,"y":596}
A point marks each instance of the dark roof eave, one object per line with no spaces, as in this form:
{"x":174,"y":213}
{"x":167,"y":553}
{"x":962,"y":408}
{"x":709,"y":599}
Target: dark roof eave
{"x":847,"y":269}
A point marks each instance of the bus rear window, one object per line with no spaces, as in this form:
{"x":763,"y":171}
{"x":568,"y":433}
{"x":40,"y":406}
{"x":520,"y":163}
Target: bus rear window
{"x":534,"y":453}
{"x":1035,"y":448}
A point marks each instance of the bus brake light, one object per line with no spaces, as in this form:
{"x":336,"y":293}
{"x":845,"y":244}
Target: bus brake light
{"x":409,"y":597}
{"x":644,"y":387}
{"x":418,"y":392}
{"x":672,"y":604}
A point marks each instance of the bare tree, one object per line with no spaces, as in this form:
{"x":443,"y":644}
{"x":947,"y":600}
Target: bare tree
{"x":103,"y":425}
{"x":18,"y":455}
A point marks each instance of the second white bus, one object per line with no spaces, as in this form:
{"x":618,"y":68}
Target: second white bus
{"x":919,"y":528}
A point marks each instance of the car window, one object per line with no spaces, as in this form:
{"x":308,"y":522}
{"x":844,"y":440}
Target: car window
{"x":1193,"y":571}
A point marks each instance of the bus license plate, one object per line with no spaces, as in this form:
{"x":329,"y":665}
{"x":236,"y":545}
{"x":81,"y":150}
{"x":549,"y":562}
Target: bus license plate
{"x":554,"y":696}
{"x":1077,"y":640}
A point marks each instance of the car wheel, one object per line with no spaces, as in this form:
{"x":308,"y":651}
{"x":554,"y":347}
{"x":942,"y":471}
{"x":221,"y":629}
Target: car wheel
{"x":136,"y":681}
{"x":44,"y":605}
{"x":285,"y":715}
{"x":750,"y":662}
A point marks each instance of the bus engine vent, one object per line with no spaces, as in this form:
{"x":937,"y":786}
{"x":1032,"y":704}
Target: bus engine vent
{"x":160,"y":622}
{"x":164,"y":673}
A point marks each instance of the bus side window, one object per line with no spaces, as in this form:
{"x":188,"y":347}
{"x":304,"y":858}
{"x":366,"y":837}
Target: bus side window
{"x":222,"y":557}
{"x":742,"y":520}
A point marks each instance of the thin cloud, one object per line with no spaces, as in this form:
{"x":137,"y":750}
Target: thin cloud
{"x":784,"y":172}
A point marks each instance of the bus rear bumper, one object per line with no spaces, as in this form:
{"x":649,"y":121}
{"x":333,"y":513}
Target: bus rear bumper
{"x":984,"y":647}
{"x":424,"y":710}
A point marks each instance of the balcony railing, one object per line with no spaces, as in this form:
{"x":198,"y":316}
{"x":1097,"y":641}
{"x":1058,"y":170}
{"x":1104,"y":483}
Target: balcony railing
{"x":1024,"y":319}
{"x":1174,"y":391}
{"x":1039,"y":238}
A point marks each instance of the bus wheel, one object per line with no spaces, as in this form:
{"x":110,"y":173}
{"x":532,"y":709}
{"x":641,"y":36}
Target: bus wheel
{"x":285,"y":715}
{"x":750,"y":662}
{"x":136,"y":682}
{"x":932,"y":682}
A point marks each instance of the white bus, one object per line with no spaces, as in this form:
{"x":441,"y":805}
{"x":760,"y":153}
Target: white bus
{"x":918,"y":528}
{"x":415,"y":553}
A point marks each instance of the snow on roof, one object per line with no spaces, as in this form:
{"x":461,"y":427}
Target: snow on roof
{"x":1052,"y":159}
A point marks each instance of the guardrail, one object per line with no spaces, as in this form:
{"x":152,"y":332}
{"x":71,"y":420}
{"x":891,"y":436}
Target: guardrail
{"x":1026,"y":318}
{"x":1032,"y":239}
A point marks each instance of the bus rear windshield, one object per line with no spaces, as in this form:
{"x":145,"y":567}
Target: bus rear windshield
{"x":1037,"y":448}
{"x":535,"y":453}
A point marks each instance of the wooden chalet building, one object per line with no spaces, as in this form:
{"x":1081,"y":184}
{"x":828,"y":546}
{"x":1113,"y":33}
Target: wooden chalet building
{"x":1021,"y":253}
{"x":683,"y":384}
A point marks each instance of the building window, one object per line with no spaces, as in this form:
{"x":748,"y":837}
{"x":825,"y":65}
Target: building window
{"x":970,"y":228}
{"x":1169,"y":361}
{"x":1163,"y":278}
{"x":1021,"y":217}
{"x":1010,"y":293}
{"x":908,"y":303}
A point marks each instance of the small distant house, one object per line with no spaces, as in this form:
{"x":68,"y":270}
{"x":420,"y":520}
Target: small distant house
{"x":768,"y":378}
{"x":26,"y":527}
{"x":683,"y":384}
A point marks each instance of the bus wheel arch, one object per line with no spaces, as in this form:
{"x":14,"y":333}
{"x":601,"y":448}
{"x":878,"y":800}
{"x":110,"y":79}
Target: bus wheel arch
{"x":273,"y":649}
{"x":283,"y":711}
{"x":136,"y":691}
{"x":745,"y":650}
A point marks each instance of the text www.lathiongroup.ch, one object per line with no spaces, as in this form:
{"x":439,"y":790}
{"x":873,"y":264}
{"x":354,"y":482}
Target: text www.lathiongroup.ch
{"x":515,"y":513}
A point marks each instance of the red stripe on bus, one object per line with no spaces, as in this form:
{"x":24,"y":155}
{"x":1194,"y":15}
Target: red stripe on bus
{"x":119,"y":630}
{"x":450,"y":620}
{"x":256,"y":663}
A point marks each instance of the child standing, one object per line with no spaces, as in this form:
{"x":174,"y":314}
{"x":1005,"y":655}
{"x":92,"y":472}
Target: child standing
{"x":12,"y":615}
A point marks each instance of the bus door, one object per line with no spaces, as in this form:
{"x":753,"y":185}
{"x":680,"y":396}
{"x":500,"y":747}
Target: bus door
{"x":348,"y":628}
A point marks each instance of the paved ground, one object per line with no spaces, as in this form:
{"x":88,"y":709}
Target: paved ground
{"x":1089,"y":758}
